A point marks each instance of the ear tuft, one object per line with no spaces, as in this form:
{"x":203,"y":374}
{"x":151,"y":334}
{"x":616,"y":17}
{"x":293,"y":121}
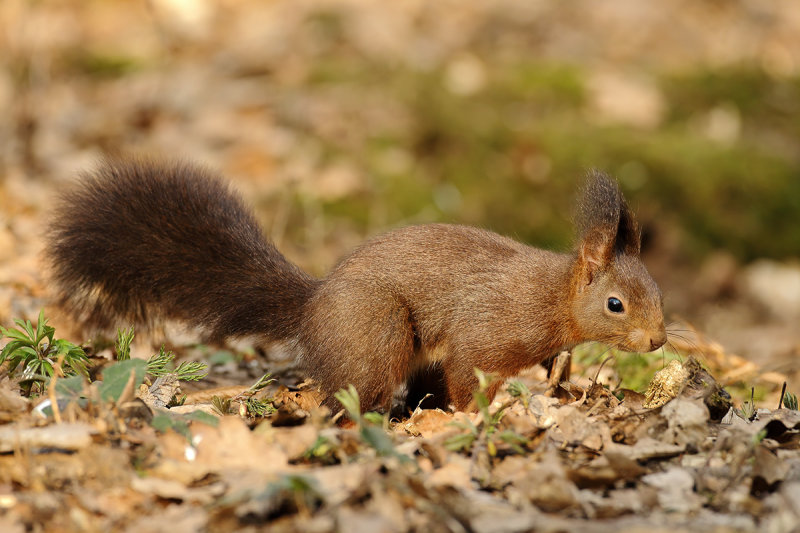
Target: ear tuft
{"x":605,"y":224}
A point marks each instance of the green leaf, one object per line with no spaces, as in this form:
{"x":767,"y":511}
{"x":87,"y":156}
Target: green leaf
{"x":28,"y":327}
{"x":481,"y":400}
{"x":116,"y":376}
{"x":518,"y":389}
{"x":46,"y":367}
{"x":13,"y":363}
{"x":161,"y":422}
{"x":257,"y":407}
{"x":203,"y":418}
{"x":191,"y":371}
{"x":9,"y":349}
{"x":28,"y":352}
{"x":48,"y":333}
{"x":377,"y":438}
{"x":350,"y":401}
{"x":790,"y":401}
{"x":321,"y":447}
{"x":165,"y":422}
{"x":374,"y":418}
{"x":70,"y":388}
{"x":41,"y":322}
{"x":460,"y":442}
{"x":158,"y":363}
{"x":262,"y":382}
{"x":483,"y":379}
{"x":514,"y":440}
{"x":123,"y":344}
{"x":75,"y":359}
{"x":221,"y":357}
{"x":20,"y":336}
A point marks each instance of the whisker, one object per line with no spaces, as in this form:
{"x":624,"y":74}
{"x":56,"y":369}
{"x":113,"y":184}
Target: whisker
{"x":607,"y":359}
{"x":695,"y":347}
{"x":595,"y":359}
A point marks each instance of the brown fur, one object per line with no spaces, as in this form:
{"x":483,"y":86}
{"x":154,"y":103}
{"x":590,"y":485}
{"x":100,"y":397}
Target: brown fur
{"x":138,"y":239}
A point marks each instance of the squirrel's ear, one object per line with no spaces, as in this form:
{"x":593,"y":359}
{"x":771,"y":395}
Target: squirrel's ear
{"x":606,"y":225}
{"x":595,"y":253}
{"x":629,"y":237}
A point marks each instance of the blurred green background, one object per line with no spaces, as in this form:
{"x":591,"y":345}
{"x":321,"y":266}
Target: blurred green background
{"x":463,"y":112}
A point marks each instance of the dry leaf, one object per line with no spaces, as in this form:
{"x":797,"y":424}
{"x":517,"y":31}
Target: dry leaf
{"x":428,"y":422}
{"x":454,"y":473}
{"x":294,"y":441}
{"x":606,"y":470}
{"x":675,"y":490}
{"x":66,"y":436}
{"x":160,"y":392}
{"x":768,"y":471}
{"x":306,"y":399}
{"x":232,"y":445}
{"x":547,"y":486}
{"x":646,"y":448}
{"x":687,"y":422}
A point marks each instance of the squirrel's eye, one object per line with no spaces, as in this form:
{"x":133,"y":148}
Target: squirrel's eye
{"x":614,"y":305}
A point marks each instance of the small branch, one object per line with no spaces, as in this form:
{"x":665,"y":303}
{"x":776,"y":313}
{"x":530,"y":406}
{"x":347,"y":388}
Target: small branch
{"x":51,"y":389}
{"x":560,"y":372}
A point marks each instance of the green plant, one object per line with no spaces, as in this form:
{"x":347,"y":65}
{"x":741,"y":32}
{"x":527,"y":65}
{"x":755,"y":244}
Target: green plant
{"x":790,"y":401}
{"x":37,"y":352}
{"x":221,"y":406}
{"x":249,"y":405}
{"x":322,"y":451}
{"x":258,"y":407}
{"x":123,"y":344}
{"x":748,"y":410}
{"x":160,"y":364}
{"x":487,"y":434}
{"x":787,"y":400}
{"x":180,"y":423}
{"x":292,"y":493}
{"x":518,"y":389}
{"x":121,"y":379}
{"x":371,"y":433}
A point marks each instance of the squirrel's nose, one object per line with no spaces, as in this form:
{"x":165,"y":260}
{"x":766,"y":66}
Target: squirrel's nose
{"x":658,"y":340}
{"x":655,"y":345}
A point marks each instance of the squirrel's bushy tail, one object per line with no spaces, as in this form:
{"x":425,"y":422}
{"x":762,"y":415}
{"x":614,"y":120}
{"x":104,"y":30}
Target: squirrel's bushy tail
{"x":138,"y":239}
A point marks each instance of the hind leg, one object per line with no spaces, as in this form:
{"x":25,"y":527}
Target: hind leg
{"x":371,"y":347}
{"x":462,"y":383}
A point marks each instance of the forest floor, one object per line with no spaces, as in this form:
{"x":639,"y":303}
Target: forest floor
{"x":132,"y":452}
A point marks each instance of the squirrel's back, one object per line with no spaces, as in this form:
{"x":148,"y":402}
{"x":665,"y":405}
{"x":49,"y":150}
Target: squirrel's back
{"x":138,"y":238}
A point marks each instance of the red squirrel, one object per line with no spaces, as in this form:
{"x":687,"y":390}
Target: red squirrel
{"x":172,"y":240}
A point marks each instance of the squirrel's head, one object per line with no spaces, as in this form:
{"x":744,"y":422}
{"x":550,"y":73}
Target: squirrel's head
{"x":615,"y":300}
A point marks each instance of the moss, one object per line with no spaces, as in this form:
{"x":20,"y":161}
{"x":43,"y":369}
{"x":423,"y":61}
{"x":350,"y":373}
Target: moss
{"x":635,"y":370}
{"x":101,"y":64}
{"x":511,"y":155}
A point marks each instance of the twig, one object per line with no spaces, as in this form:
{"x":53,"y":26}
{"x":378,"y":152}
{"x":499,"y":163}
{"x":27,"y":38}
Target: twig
{"x":51,"y":390}
{"x":560,"y":369}
{"x":783,"y":391}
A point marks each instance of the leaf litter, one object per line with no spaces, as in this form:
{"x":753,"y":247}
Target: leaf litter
{"x":526,"y":462}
